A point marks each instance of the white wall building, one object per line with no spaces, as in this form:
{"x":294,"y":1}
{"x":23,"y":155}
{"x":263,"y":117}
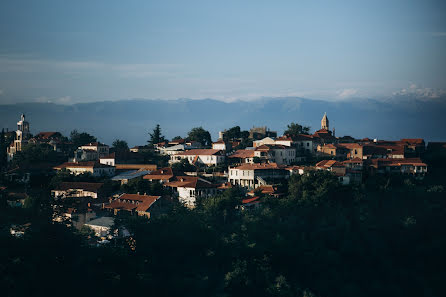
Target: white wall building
{"x":95,"y":168}
{"x":207,"y":157}
{"x":188,"y":189}
{"x":254,"y":175}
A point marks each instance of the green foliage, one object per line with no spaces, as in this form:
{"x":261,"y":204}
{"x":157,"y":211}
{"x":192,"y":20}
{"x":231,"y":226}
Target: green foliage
{"x":33,"y":154}
{"x":143,"y":186}
{"x":156,"y":136}
{"x":184,"y":166}
{"x":79,"y":139}
{"x":200,"y":135}
{"x":295,"y":129}
{"x":120,"y":145}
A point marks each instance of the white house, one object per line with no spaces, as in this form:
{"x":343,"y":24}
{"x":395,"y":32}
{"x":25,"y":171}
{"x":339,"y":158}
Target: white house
{"x":108,"y":160}
{"x":101,"y":226}
{"x":190,"y":188}
{"x":254,"y":175}
{"x":207,"y":157}
{"x":266,"y":140}
{"x":95,"y":168}
{"x":279,"y":154}
{"x":220,"y":145}
{"x":102,"y":149}
{"x":77,"y":189}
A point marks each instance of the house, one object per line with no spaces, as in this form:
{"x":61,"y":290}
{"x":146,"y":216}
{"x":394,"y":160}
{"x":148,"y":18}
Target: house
{"x":336,"y":168}
{"x":82,"y":155}
{"x":354,"y":168}
{"x":279,"y":154}
{"x":140,"y":149}
{"x":172,"y":150}
{"x":100,"y":148}
{"x":332,"y":150}
{"x":221,"y":145}
{"x":102,"y":226}
{"x":254,"y":175}
{"x":52,"y":138}
{"x":304,"y":144}
{"x":78,"y":189}
{"x":161,"y":175}
{"x":412,"y":166}
{"x":284,"y":140}
{"x":242,"y":156}
{"x":93,"y":167}
{"x":263,"y":141}
{"x":125,"y":177}
{"x":268,"y":190}
{"x":206,"y":157}
{"x":137,"y":204}
{"x":250,"y":203}
{"x":190,"y":189}
{"x":110,"y":159}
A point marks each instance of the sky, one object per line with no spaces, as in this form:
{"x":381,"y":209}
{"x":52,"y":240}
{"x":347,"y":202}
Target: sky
{"x":83,"y":51}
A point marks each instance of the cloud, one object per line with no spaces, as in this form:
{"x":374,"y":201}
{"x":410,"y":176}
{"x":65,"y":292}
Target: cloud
{"x":346,"y":93}
{"x":60,"y":100}
{"x":420,"y":92}
{"x":1,"y":92}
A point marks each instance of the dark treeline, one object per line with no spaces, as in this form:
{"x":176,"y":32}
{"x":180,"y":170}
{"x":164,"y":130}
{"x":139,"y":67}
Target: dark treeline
{"x":384,"y":238}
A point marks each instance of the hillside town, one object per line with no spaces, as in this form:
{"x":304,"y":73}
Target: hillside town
{"x":97,"y":182}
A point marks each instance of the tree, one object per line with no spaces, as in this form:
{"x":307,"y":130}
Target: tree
{"x":156,"y":136}
{"x":295,"y":129}
{"x":79,"y":139}
{"x":177,"y":138}
{"x":200,"y":135}
{"x":120,"y":145}
{"x":184,"y":165}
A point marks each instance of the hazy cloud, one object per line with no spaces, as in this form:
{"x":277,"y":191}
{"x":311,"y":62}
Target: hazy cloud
{"x":1,"y":92}
{"x":346,"y":93}
{"x":61,"y":100}
{"x":420,"y":92}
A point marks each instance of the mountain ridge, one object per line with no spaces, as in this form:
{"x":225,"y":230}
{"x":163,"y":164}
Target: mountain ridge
{"x":132,"y":119}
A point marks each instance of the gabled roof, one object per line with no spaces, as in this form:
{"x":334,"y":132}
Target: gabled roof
{"x":86,"y":164}
{"x":200,"y":152}
{"x":243,"y":154}
{"x":132,"y":202}
{"x":165,"y":173}
{"x":329,"y":164}
{"x":190,"y":182}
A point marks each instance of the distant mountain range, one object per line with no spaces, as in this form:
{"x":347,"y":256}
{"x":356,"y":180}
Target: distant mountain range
{"x":131,"y":120}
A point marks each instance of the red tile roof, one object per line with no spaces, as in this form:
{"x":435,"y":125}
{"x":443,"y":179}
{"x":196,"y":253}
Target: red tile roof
{"x":250,"y":200}
{"x":86,"y":164}
{"x":329,"y":164}
{"x":160,"y":174}
{"x":242,"y":154}
{"x":200,"y":152}
{"x":132,"y":202}
{"x":190,"y":182}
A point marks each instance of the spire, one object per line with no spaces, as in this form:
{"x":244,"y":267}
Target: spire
{"x":325,"y":122}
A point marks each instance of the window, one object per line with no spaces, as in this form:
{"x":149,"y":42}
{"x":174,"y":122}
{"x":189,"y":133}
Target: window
{"x":308,"y":144}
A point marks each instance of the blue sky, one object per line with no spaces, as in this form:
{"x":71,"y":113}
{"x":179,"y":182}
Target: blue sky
{"x":82,"y":51}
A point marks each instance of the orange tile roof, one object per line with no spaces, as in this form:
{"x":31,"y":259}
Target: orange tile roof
{"x":242,"y":154}
{"x":91,"y":187}
{"x":132,"y":202}
{"x":190,"y":182}
{"x":165,"y":173}
{"x":200,"y":152}
{"x":86,"y":164}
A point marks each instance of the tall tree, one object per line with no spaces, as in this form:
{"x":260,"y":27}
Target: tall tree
{"x":200,"y":135}
{"x":156,"y":136}
{"x":120,"y":145}
{"x":295,"y":129}
{"x":82,"y":138}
